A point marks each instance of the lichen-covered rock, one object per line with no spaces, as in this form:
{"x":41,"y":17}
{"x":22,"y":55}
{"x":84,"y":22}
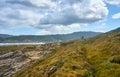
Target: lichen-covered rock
{"x":20,"y":58}
{"x":4,"y":69}
{"x":7,"y":55}
{"x":52,"y":70}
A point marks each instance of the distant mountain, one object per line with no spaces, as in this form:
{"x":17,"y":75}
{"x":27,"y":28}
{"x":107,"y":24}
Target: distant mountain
{"x":49,"y":38}
{"x":5,"y":35}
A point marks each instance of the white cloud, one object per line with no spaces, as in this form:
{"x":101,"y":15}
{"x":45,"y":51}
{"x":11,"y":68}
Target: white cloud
{"x":60,"y":12}
{"x":86,"y":11}
{"x":52,"y":16}
{"x":19,"y":17}
{"x":116,"y":16}
{"x":60,"y":29}
{"x":43,"y":32}
{"x":115,"y":2}
{"x":43,"y":3}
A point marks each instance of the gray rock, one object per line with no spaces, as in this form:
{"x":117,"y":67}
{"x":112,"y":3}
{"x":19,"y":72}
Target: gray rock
{"x":7,"y":55}
{"x":52,"y":70}
{"x":4,"y":69}
{"x":6,"y":61}
{"x":20,"y":58}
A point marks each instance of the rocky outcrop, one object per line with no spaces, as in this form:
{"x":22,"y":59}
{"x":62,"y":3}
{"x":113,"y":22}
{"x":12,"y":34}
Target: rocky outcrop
{"x":52,"y":70}
{"x":7,"y":55}
{"x":19,"y":59}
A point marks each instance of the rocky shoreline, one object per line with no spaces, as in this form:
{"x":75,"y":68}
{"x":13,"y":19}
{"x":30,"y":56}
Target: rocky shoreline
{"x":16,"y":60}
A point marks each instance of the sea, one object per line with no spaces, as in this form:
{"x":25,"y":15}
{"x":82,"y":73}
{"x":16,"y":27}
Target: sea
{"x":6,"y":44}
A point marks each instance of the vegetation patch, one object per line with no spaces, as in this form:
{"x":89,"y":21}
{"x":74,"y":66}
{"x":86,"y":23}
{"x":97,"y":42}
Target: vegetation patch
{"x":115,"y":59}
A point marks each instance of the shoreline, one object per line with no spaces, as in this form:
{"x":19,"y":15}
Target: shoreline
{"x":9,"y":44}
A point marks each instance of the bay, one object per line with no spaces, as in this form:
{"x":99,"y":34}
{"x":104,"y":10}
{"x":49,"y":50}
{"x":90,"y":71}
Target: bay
{"x":5,"y":44}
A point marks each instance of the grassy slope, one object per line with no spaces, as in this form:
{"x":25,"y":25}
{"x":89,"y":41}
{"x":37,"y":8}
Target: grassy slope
{"x":98,"y":56}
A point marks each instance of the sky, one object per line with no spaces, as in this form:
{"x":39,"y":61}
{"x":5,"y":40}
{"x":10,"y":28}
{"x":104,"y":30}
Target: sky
{"x":45,"y":17}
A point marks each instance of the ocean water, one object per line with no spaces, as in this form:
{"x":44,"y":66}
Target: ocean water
{"x":5,"y":44}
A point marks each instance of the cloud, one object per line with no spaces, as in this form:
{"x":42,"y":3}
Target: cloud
{"x":51,"y":16}
{"x":115,"y":2}
{"x":66,"y":13}
{"x":51,"y":12}
{"x":18,"y":17}
{"x":116,"y":16}
{"x":60,"y":29}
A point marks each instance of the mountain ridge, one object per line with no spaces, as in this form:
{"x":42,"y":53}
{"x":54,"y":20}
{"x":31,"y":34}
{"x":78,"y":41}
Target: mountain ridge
{"x":5,"y":35}
{"x":50,"y":38}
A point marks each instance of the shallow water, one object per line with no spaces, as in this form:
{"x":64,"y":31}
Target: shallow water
{"x":5,"y":44}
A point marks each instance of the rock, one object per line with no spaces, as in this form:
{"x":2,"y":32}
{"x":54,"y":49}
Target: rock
{"x":7,"y":55}
{"x":7,"y":72}
{"x":6,"y":61}
{"x":18,"y":53}
{"x":46,"y":52}
{"x":52,"y":70}
{"x":20,"y":58}
{"x":4,"y":69}
{"x":30,"y":48}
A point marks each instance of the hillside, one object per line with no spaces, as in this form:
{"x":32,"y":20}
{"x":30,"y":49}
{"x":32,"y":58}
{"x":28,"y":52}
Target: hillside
{"x":49,"y":38}
{"x":94,"y":57}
